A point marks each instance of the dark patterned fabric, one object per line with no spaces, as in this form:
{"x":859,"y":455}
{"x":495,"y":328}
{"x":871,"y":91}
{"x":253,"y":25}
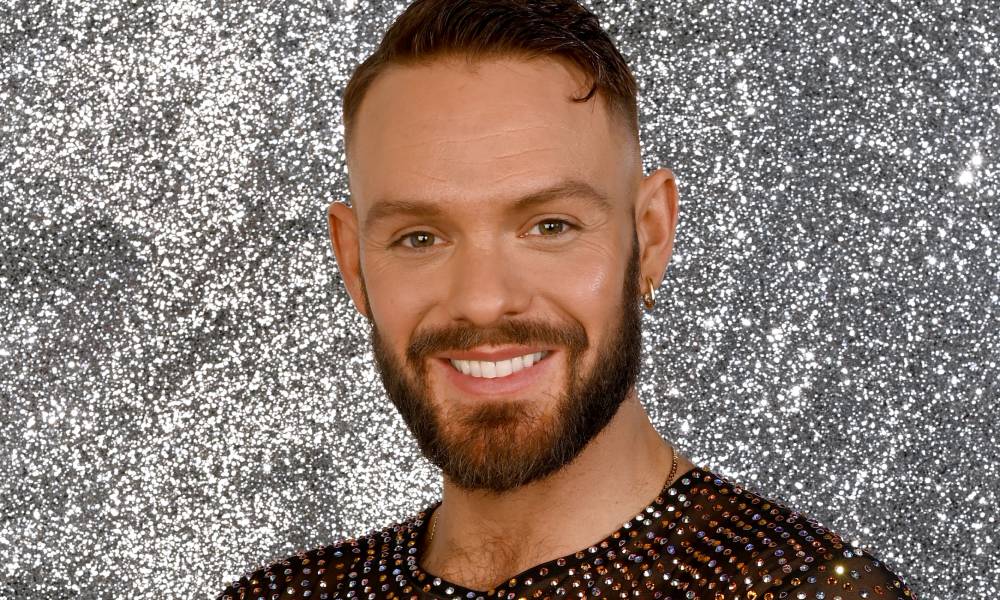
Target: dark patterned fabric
{"x":704,"y":537}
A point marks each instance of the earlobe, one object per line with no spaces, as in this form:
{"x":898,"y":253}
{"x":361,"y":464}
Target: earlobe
{"x":343,"y":225}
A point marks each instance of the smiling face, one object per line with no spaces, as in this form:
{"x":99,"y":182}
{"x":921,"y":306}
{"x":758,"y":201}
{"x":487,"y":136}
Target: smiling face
{"x":493,"y":224}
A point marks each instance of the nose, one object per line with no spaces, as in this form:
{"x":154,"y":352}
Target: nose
{"x":487,"y":284}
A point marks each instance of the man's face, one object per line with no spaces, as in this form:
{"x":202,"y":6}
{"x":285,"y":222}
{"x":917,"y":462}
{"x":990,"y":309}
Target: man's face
{"x":473,"y":276}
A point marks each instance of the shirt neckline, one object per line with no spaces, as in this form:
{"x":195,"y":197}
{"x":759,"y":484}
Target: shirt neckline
{"x":427,"y":581}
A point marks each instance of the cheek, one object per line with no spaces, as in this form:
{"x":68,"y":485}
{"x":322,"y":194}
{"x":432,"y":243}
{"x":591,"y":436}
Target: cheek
{"x":583,"y":286}
{"x":587,"y":292}
{"x":397,"y":297}
{"x":585,"y":279}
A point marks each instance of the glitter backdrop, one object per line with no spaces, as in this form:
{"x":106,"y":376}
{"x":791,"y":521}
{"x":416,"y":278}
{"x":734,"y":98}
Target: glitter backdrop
{"x":187,"y":392}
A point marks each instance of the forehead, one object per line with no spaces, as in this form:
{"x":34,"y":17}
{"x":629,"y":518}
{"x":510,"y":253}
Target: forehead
{"x":495,"y":128}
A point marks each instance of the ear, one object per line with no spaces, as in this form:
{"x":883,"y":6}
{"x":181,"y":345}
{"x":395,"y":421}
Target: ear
{"x":347,"y":248}
{"x":655,"y":223}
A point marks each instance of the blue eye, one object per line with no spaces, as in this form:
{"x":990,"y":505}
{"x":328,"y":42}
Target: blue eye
{"x":563,"y":227}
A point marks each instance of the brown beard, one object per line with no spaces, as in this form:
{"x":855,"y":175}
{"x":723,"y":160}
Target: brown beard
{"x":502,"y":445}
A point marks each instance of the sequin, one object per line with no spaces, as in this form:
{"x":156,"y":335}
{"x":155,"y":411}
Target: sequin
{"x":721,"y":520}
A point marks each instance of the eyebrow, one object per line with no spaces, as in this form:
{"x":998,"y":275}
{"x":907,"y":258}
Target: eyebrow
{"x":567,"y":188}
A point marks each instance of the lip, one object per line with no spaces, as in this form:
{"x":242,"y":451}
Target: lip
{"x":496,"y":354}
{"x":498,"y":386}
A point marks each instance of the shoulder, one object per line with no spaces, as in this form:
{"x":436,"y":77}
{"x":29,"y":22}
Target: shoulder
{"x":770,"y":549}
{"x":317,"y":572}
{"x":305,"y":570}
{"x":851,"y":574}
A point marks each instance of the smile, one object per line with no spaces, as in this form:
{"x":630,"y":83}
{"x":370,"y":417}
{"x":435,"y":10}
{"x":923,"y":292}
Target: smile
{"x":502,"y":368}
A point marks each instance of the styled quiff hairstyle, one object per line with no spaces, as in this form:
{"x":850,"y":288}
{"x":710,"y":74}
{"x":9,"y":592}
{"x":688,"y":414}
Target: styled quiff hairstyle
{"x":430,"y":29}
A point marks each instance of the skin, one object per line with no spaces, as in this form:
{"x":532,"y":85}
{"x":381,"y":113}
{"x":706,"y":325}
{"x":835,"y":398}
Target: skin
{"x":471,"y":140}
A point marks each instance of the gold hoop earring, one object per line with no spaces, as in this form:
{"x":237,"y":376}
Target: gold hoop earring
{"x":649,"y":298}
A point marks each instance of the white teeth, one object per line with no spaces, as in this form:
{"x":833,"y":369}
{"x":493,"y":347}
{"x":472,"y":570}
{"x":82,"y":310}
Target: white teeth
{"x":489,"y":370}
{"x":500,"y":368}
{"x":505,"y":368}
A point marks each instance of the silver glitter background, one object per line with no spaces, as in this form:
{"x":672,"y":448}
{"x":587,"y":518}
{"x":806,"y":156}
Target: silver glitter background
{"x":187,"y":392}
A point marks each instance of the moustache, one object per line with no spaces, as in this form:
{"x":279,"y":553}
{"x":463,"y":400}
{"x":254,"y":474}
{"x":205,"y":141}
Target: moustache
{"x":571,"y":336}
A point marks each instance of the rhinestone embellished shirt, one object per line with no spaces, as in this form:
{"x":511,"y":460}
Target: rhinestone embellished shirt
{"x":703,"y":537}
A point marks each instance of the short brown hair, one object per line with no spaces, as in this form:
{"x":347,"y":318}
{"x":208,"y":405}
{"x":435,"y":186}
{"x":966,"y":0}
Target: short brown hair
{"x":429,"y":29}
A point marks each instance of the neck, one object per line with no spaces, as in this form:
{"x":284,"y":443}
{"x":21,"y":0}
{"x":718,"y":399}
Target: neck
{"x":483,"y":539}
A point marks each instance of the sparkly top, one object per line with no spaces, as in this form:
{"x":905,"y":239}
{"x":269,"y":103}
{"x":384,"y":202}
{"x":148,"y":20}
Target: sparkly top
{"x":704,"y":537}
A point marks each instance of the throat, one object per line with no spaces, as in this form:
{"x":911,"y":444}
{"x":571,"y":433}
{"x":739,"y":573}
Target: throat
{"x":481,"y":575}
{"x":481,"y":566}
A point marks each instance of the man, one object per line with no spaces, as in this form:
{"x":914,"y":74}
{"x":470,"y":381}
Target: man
{"x":500,"y":238}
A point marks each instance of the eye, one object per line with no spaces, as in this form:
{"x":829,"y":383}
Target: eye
{"x":421,"y":240}
{"x":553,"y":227}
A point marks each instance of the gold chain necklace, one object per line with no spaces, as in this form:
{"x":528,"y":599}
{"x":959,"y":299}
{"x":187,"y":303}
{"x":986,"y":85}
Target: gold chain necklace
{"x":670,"y":479}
